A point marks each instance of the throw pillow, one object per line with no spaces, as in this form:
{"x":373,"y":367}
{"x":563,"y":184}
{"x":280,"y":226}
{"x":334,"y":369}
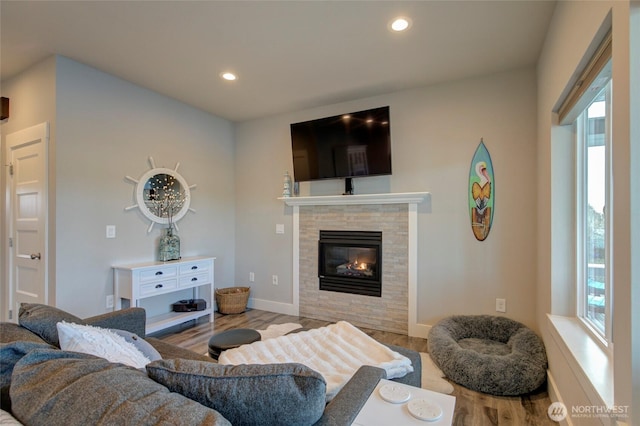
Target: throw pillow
{"x":269,"y":394}
{"x":100,"y":342}
{"x":42,"y":320}
{"x":140,"y":344}
{"x":54,"y":387}
{"x":10,"y":354}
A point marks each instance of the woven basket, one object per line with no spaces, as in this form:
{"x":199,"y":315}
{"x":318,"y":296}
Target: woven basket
{"x":232,"y":300}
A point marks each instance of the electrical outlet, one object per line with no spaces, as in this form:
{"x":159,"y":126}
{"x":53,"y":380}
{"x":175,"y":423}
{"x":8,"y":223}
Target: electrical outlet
{"x":252,"y":277}
{"x":501,"y":305}
{"x":274,"y":279}
{"x":110,"y":301}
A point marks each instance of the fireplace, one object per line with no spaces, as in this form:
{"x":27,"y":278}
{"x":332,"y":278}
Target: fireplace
{"x":350,"y":262}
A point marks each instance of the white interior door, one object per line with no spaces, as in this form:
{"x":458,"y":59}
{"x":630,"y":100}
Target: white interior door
{"x":27,"y":186}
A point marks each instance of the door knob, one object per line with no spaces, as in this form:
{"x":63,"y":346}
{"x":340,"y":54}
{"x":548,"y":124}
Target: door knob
{"x":35,"y":256}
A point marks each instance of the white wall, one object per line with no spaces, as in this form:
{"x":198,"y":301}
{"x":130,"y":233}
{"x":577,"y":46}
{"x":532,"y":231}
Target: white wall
{"x":575,"y":29}
{"x":106,"y":128}
{"x":435,"y":131}
{"x":32,"y":101}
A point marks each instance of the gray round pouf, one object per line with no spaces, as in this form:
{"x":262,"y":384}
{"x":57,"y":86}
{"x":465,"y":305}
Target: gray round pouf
{"x":490,"y":354}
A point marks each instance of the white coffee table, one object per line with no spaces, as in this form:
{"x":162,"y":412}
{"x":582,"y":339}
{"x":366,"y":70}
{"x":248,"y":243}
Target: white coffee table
{"x":378,"y":412}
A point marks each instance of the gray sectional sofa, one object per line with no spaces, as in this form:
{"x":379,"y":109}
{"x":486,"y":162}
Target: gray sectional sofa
{"x":42,"y":384}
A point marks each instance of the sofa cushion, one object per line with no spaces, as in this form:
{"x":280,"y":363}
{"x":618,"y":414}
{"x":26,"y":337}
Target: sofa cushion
{"x":42,"y":320}
{"x":10,"y":354}
{"x":269,"y":394}
{"x":100,"y":342}
{"x":51,"y":386}
{"x":11,"y":332}
{"x":130,"y":319}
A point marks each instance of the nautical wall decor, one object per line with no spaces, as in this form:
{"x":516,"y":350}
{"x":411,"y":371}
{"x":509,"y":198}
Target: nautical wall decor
{"x":481,"y":192}
{"x":162,"y":195}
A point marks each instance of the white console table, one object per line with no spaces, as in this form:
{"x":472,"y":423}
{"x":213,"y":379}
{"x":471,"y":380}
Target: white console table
{"x":135,"y":282}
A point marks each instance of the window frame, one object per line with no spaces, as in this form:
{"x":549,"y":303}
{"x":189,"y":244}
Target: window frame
{"x":603,"y":338}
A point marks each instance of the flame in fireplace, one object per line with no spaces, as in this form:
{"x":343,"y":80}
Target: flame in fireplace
{"x":357,"y":265}
{"x":354,"y":268}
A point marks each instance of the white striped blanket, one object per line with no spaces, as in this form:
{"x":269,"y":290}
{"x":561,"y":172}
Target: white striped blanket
{"x":335,"y":351}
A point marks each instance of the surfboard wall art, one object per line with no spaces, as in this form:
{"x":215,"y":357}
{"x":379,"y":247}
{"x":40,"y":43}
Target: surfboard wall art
{"x":481,"y":192}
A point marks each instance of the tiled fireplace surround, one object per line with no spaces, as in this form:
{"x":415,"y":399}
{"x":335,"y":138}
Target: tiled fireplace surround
{"x":389,"y":312}
{"x":395,"y":216}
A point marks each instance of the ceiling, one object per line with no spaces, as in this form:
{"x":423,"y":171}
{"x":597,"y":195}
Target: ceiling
{"x":288,"y":55}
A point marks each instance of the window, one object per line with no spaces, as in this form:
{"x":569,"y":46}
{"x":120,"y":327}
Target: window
{"x":593,"y":207}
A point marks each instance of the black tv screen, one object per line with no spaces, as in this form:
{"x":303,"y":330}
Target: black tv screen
{"x":342,"y":146}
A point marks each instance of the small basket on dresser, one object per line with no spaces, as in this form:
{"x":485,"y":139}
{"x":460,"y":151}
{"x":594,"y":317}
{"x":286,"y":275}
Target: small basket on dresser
{"x":232,"y":300}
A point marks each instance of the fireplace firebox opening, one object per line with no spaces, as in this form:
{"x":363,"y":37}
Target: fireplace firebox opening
{"x":350,"y":262}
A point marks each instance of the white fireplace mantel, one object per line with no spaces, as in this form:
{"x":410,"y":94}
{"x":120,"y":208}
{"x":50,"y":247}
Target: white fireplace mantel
{"x":343,"y":200}
{"x":412,"y":199}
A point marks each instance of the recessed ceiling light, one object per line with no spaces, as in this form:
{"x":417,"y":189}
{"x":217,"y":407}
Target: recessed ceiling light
{"x":400,"y":24}
{"x":228,"y":76}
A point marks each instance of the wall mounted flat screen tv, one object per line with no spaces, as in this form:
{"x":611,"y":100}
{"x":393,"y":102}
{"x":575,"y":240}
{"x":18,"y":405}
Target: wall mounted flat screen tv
{"x":343,"y":146}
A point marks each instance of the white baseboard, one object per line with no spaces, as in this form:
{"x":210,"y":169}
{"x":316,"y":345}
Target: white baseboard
{"x":270,"y":306}
{"x":420,"y":330}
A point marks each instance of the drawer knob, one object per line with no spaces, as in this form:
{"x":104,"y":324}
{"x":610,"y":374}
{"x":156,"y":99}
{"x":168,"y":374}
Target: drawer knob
{"x":194,"y":279}
{"x":159,"y":286}
{"x":159,"y":273}
{"x":194,"y":267}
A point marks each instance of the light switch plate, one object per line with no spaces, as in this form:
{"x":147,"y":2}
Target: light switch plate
{"x":111,"y":231}
{"x":280,"y":228}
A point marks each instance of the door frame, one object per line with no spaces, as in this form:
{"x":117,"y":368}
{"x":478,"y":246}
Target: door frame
{"x":7,"y":288}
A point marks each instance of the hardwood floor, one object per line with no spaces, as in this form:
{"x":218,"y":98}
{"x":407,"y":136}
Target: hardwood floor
{"x":472,"y":408}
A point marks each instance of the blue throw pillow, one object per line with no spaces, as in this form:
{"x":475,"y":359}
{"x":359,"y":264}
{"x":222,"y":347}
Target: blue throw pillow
{"x":10,"y":354}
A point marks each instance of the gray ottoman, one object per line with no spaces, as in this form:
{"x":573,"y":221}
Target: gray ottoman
{"x":231,"y":339}
{"x":490,"y":354}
